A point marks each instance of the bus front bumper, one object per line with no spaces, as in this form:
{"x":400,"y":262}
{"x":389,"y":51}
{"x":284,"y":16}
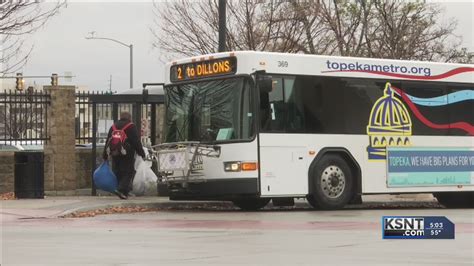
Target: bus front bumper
{"x":215,"y":189}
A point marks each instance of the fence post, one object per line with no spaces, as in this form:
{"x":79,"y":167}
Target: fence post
{"x":153,"y":124}
{"x":94,"y":147}
{"x":60,"y":167}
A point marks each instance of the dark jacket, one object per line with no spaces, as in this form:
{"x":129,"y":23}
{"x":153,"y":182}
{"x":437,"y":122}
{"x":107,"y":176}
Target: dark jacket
{"x":133,"y":140}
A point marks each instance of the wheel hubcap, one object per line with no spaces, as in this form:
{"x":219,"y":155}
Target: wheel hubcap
{"x":333,"y":181}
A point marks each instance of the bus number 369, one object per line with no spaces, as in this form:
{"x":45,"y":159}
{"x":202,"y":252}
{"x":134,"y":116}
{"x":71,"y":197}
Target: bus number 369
{"x":282,"y":63}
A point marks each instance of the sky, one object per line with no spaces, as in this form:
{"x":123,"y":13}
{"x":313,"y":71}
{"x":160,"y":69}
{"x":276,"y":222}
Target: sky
{"x":60,"y":46}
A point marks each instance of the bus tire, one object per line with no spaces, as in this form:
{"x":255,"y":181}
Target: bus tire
{"x":251,"y":204}
{"x":331,"y":183}
{"x":455,"y":199}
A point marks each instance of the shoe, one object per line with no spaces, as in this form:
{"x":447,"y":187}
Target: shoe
{"x":120,"y":194}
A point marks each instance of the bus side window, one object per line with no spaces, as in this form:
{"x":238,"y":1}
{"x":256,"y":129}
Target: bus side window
{"x":281,"y":110}
{"x":273,"y":118}
{"x":294,"y":104}
{"x":264,"y":110}
{"x":247,"y":112}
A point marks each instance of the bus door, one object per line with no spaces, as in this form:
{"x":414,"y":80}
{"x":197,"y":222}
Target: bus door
{"x":282,"y":169}
{"x":283,"y":162}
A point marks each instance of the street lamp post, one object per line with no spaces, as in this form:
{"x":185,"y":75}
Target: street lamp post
{"x":130,"y":46}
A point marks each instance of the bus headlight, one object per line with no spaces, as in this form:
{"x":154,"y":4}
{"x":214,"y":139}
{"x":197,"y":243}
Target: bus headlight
{"x":240,"y":166}
{"x":232,"y":166}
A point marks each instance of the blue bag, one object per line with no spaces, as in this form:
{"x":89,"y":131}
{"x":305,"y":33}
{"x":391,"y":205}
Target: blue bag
{"x":104,"y":178}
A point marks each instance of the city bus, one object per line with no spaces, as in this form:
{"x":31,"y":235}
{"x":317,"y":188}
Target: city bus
{"x":250,"y":127}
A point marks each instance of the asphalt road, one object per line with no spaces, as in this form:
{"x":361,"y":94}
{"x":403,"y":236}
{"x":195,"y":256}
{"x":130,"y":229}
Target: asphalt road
{"x":229,"y":237}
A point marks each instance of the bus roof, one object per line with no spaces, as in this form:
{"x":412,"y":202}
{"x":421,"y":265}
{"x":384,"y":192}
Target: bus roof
{"x":321,"y":65}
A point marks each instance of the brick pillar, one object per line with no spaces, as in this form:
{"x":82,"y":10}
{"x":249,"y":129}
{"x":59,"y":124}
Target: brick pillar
{"x":60,"y":167}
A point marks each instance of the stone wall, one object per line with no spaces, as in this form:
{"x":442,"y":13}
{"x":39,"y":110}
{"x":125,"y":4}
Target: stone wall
{"x":7,"y":171}
{"x":82,"y":176}
{"x":83,"y":168}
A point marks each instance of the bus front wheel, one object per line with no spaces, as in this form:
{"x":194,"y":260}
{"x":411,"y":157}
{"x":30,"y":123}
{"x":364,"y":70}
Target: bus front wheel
{"x":251,"y":204}
{"x":455,"y":199}
{"x":331,"y":183}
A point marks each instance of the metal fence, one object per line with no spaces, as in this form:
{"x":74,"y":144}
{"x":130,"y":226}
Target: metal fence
{"x":84,"y":118}
{"x":106,"y":113}
{"x":23,"y":117}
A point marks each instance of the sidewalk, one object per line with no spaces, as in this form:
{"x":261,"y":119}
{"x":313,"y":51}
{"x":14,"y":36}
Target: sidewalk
{"x":53,"y":207}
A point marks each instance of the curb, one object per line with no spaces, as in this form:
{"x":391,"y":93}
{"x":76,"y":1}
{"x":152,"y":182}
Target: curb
{"x":196,"y":205}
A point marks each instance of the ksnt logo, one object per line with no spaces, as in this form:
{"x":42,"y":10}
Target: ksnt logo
{"x":403,"y":227}
{"x":393,"y":223}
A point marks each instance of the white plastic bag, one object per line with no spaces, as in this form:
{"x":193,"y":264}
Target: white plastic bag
{"x":145,"y":180}
{"x":139,"y":159}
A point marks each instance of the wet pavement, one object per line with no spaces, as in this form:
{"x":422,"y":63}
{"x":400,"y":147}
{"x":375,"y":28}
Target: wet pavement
{"x":196,"y":233}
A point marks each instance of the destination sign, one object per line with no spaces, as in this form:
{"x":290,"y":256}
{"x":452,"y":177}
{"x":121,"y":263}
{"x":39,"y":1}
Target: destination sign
{"x":204,"y":69}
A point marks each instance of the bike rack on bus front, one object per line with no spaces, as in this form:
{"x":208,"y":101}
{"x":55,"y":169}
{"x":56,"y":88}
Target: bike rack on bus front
{"x":184,"y":158}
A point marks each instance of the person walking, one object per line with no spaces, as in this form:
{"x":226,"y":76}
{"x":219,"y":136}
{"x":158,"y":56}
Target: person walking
{"x":123,"y":142}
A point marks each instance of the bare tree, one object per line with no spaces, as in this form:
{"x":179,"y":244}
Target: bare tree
{"x":20,"y":124}
{"x":333,"y":27}
{"x":383,"y":29}
{"x":345,"y":24}
{"x":22,"y":115}
{"x":191,"y":27}
{"x":18,"y":19}
{"x":412,"y":30}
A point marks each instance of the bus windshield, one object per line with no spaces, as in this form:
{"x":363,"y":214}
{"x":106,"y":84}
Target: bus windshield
{"x":209,"y":111}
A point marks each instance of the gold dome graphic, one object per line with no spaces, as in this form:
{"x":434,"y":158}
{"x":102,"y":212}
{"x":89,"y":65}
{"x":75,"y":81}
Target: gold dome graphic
{"x":389,"y":125}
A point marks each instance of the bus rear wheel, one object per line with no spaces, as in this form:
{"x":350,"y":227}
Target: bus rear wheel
{"x":455,"y":199}
{"x":331,"y":183}
{"x":251,"y":204}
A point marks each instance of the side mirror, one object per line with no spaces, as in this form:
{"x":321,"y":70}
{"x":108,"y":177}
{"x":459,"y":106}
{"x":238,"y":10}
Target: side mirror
{"x":265,"y":83}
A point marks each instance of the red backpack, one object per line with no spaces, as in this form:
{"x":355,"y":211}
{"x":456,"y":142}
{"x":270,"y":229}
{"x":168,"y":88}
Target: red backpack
{"x":117,"y":140}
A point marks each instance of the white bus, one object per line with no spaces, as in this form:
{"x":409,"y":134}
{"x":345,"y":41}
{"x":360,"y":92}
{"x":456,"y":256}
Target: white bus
{"x":251,"y":127}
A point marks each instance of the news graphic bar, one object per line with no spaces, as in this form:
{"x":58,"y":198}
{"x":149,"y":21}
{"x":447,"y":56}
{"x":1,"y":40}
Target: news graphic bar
{"x":417,"y":227}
